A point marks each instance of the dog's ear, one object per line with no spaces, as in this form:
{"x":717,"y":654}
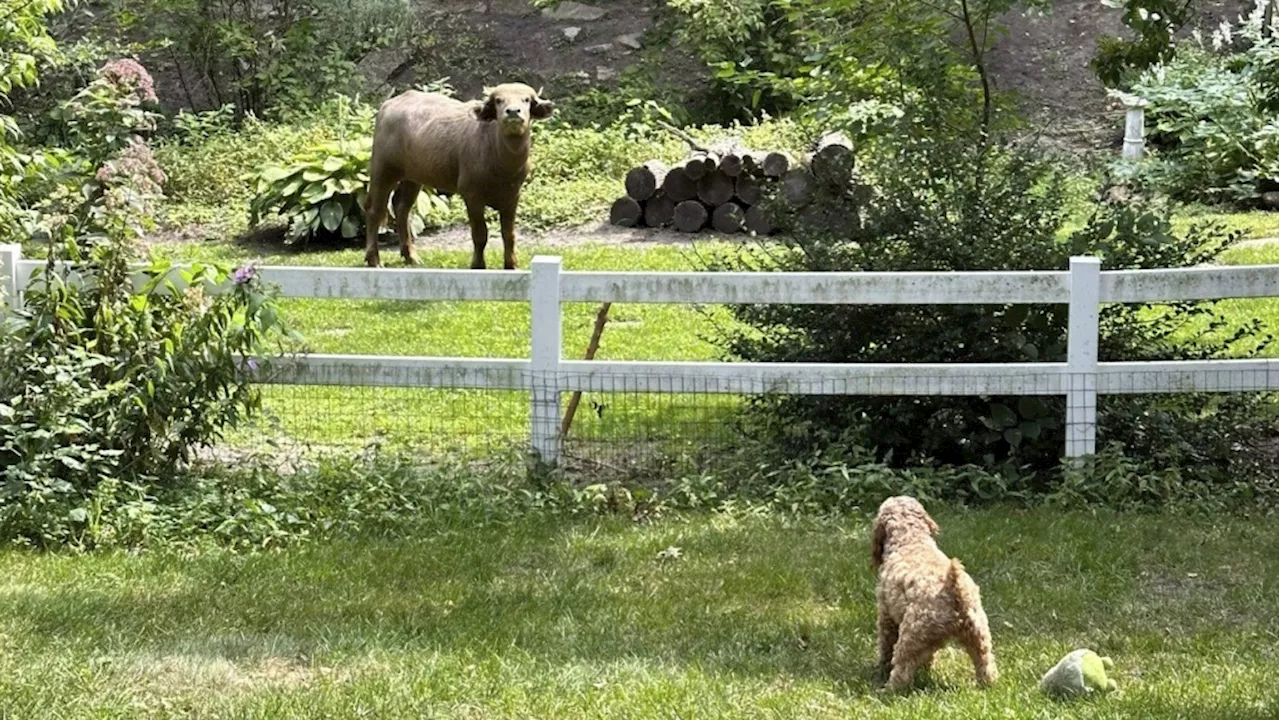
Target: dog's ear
{"x":933,"y":526}
{"x":878,"y":537}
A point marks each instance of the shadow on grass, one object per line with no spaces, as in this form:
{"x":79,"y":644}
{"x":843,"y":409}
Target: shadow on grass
{"x":751,"y":599}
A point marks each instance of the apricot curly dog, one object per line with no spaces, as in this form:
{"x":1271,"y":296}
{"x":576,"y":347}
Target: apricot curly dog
{"x":923,"y":598}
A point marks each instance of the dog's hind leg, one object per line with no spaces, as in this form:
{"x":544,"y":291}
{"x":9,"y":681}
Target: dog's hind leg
{"x":887,"y":634}
{"x":977,"y":642}
{"x":915,"y":647}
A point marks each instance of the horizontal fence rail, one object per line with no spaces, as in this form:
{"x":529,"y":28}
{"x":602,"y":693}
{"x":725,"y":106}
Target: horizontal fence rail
{"x":545,"y":375}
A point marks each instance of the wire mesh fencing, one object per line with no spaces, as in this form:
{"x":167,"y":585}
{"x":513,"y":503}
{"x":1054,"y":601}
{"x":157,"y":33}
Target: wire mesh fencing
{"x":625,"y":422}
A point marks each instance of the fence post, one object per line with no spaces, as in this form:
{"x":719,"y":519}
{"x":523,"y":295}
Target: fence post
{"x":10,"y":293}
{"x":1082,"y":357}
{"x":1134,"y":127}
{"x":544,"y":357}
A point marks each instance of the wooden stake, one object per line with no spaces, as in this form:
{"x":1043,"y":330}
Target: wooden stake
{"x":602,"y":316}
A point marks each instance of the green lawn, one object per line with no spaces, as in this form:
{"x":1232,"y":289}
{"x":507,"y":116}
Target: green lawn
{"x":424,"y":417}
{"x":344,"y":416}
{"x":757,"y":618}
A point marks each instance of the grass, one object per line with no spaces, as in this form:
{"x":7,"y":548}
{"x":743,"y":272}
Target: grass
{"x":480,"y":329}
{"x":578,"y":172}
{"x":757,"y":618}
{"x":635,"y":332}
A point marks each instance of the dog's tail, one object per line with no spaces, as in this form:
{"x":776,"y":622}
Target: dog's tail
{"x":965,"y":593}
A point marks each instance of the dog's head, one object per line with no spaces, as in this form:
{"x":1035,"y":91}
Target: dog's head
{"x":899,"y":516}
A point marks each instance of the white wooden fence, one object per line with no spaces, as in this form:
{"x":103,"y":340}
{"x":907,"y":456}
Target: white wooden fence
{"x":546,"y":374}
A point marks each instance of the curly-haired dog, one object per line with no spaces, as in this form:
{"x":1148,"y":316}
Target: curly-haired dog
{"x":923,"y":597}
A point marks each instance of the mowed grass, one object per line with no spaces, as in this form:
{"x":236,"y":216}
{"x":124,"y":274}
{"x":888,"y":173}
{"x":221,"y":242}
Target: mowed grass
{"x":756,"y":619}
{"x":344,"y":416}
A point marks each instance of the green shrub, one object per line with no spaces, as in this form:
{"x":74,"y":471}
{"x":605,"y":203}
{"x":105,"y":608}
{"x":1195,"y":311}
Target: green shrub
{"x":106,"y":392}
{"x":322,"y":193}
{"x":945,"y":205}
{"x":114,"y":108}
{"x":276,"y":59}
{"x":1153,"y":24}
{"x":1213,"y":116}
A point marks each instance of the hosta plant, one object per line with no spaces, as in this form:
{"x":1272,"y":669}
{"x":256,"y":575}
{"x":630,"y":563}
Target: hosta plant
{"x":321,"y":193}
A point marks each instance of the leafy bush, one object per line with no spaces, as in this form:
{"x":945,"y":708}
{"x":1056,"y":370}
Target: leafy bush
{"x":323,"y":193}
{"x":1214,"y":117}
{"x":111,"y":111}
{"x":106,"y":390}
{"x":269,"y":59}
{"x":1154,"y":24}
{"x":944,"y":205}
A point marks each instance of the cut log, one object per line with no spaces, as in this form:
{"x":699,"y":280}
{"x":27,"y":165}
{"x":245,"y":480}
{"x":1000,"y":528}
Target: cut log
{"x":728,"y":218}
{"x":757,"y":221}
{"x":658,"y":210}
{"x":731,"y":162}
{"x":643,"y":180}
{"x":747,"y":190}
{"x":797,"y":187}
{"x":832,"y":162}
{"x":625,"y":212}
{"x":679,"y":186}
{"x":690,"y":216}
{"x":715,"y":189}
{"x":775,"y":164}
{"x":696,"y":166}
{"x":751,"y":162}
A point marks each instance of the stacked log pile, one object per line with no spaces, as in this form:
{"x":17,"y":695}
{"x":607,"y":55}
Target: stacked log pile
{"x":724,"y":188}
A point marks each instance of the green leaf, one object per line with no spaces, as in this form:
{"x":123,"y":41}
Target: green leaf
{"x":350,"y":227}
{"x":1003,"y":416}
{"x":1013,"y":436}
{"x":331,"y":215}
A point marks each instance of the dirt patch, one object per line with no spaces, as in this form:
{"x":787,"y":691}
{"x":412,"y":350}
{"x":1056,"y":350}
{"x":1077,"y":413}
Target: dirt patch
{"x":1045,"y":59}
{"x":459,"y":238}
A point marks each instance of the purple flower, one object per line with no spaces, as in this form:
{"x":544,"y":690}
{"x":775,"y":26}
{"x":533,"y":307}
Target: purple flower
{"x":252,"y":365}
{"x":244,"y":274}
{"x":130,"y":75}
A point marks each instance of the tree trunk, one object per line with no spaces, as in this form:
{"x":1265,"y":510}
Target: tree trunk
{"x":728,"y":218}
{"x":678,"y":186}
{"x":747,"y":190}
{"x":626,"y":212}
{"x":775,"y":164}
{"x":658,"y":210}
{"x":832,"y":162}
{"x":715,"y":189}
{"x":690,"y":216}
{"x":797,"y":187}
{"x":757,"y":221}
{"x":643,"y":180}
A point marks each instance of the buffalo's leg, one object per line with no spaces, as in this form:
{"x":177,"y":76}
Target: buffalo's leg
{"x":402,"y":202}
{"x":507,"y":216}
{"x":375,"y":211}
{"x":479,"y":233}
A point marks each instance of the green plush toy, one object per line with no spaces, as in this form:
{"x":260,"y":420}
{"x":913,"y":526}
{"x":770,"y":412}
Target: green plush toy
{"x":1081,"y":672}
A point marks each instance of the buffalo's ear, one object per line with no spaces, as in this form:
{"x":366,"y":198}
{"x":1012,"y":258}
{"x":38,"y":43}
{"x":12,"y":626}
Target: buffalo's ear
{"x":487,"y":110}
{"x":541,"y":109}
